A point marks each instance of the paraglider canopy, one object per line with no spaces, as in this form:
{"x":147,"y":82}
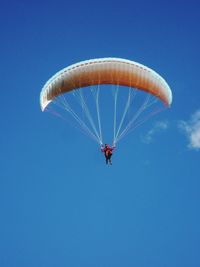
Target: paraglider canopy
{"x":125,"y":75}
{"x":105,"y":71}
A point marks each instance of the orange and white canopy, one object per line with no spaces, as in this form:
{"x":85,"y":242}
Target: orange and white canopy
{"x":106,"y":71}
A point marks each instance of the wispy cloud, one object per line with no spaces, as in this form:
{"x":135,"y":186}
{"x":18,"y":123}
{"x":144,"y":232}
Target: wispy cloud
{"x":157,"y":128}
{"x":192,"y":130}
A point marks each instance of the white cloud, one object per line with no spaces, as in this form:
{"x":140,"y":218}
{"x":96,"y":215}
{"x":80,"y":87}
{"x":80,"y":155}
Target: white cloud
{"x":192,"y":130}
{"x":158,"y":127}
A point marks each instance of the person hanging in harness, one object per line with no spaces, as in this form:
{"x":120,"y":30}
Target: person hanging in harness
{"x":107,"y":150}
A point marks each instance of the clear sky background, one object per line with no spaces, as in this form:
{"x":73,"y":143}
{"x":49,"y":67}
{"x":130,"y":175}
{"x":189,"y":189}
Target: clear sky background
{"x":60,"y":205}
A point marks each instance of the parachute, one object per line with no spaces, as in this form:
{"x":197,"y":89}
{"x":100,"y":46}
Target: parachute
{"x":98,"y":75}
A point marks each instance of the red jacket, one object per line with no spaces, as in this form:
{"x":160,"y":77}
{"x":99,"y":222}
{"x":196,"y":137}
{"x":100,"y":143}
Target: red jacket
{"x":107,"y":150}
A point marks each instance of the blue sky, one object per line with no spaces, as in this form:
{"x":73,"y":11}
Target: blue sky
{"x":60,"y":205}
